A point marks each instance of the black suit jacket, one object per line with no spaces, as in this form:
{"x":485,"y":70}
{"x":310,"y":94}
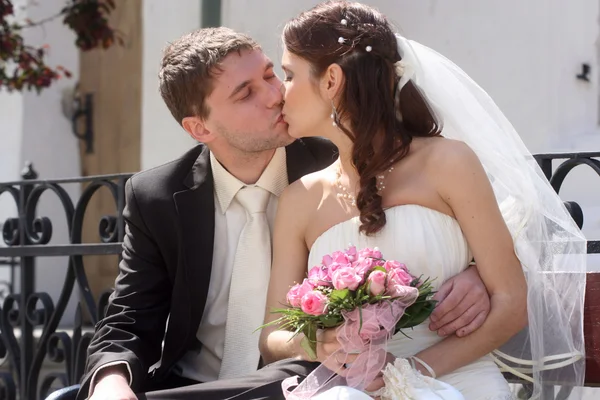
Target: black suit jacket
{"x":167,"y":261}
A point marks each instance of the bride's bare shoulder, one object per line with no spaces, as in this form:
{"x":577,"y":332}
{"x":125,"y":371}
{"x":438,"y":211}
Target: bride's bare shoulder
{"x":439,"y":152}
{"x":305,"y":194}
{"x":451,"y":165}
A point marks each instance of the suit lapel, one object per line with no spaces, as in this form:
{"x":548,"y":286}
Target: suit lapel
{"x":196,"y":213}
{"x":299,"y":161}
{"x":305,"y":156}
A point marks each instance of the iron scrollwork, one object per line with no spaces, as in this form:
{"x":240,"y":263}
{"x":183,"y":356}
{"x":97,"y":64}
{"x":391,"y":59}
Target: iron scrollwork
{"x":29,"y":319}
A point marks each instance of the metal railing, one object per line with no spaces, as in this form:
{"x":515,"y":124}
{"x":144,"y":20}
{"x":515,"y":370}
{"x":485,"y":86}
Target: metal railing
{"x":27,"y":237}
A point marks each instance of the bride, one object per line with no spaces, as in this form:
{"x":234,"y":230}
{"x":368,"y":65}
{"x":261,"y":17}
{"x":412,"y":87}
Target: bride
{"x":430,"y":172}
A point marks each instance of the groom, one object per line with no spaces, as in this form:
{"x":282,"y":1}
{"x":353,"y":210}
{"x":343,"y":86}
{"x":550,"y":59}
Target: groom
{"x":165,"y":329}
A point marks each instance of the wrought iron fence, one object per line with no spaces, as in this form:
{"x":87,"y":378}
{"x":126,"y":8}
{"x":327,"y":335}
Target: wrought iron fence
{"x":25,"y":310}
{"x":27,"y":237}
{"x":6,"y":285}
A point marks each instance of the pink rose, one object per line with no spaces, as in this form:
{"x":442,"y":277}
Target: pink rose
{"x":377,"y":282}
{"x":363,"y":266}
{"x":335,"y":261}
{"x":370,"y":253}
{"x":400,"y":276}
{"x":340,"y":257}
{"x":406,"y":294}
{"x":351,"y":253}
{"x":346,"y":278}
{"x":335,"y":266}
{"x":391,"y":265}
{"x":318,"y":276}
{"x":314,"y":303}
{"x":295,"y":294}
{"x":398,"y":282}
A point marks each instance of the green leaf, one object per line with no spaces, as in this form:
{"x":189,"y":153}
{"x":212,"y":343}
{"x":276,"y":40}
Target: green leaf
{"x":275,"y":322}
{"x":416,"y":314}
{"x":297,"y":331}
{"x":415,"y":282}
{"x":405,"y":335}
{"x":330,"y":321}
{"x":415,"y":307}
{"x":360,"y":292}
{"x":339,"y":294}
{"x":309,"y":341}
{"x":308,"y":348}
{"x":360,"y":318}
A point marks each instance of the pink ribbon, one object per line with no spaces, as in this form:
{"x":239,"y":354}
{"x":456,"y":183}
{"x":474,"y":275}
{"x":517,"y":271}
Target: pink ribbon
{"x":365,"y":332}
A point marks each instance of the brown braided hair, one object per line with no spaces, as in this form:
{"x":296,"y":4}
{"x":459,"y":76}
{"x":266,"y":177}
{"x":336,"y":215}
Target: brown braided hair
{"x":366,"y":56}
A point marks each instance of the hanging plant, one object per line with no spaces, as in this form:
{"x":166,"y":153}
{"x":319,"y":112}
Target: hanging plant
{"x":23,"y":67}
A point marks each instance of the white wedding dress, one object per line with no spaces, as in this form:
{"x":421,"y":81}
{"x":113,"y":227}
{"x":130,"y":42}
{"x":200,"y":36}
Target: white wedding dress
{"x":431,"y":244}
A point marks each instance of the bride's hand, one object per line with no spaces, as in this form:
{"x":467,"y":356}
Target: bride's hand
{"x":330,"y":353}
{"x":378,"y":382}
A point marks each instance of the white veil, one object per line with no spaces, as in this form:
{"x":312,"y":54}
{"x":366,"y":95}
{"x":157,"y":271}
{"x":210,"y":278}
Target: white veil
{"x":548,"y":243}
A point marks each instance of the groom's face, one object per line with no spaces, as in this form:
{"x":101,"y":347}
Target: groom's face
{"x":245,"y":104}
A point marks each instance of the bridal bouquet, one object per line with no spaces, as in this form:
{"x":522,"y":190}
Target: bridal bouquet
{"x":368,"y":297}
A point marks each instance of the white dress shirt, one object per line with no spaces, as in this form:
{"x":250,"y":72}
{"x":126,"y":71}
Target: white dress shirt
{"x":203,"y":364}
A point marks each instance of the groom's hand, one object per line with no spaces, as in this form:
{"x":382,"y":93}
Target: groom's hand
{"x":463,"y":306}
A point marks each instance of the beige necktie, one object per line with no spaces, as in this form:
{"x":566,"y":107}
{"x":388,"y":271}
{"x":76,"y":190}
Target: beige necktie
{"x":249,"y":284}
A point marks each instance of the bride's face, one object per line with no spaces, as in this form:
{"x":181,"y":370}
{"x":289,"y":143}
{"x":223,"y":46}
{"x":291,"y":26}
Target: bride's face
{"x":305,"y":110}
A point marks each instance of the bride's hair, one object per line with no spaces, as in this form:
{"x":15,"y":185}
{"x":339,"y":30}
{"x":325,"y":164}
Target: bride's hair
{"x":381,"y":126}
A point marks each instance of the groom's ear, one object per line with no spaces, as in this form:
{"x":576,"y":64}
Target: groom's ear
{"x":196,"y":127}
{"x":332,"y":81}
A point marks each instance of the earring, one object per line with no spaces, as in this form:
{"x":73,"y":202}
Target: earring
{"x":333,"y":115}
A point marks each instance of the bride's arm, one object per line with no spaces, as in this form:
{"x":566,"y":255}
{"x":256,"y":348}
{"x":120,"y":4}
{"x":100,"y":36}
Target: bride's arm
{"x":296,"y":207}
{"x":464,"y":186}
{"x":290,"y":258}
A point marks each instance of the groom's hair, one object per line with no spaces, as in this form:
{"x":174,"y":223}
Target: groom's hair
{"x":189,"y":65}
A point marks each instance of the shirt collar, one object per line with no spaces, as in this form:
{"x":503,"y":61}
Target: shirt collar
{"x":273,"y":179}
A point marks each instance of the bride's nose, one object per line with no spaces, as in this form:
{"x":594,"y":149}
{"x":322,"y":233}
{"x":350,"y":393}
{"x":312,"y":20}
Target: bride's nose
{"x":282,"y":89}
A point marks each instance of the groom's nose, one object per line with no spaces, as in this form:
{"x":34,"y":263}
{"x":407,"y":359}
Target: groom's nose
{"x":275,"y":94}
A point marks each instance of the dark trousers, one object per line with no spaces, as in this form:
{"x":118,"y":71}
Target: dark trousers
{"x":262,"y":384}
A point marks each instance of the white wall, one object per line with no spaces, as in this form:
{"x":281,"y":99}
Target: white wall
{"x":525,"y":54}
{"x":163,"y":21}
{"x":11,"y":126}
{"x":34,"y":129}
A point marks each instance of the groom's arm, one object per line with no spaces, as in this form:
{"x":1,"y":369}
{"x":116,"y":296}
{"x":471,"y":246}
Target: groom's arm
{"x":128,"y":339}
{"x":464,"y":304}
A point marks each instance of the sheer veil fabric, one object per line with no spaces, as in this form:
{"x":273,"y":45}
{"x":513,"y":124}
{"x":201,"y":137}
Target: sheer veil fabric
{"x":549,"y":245}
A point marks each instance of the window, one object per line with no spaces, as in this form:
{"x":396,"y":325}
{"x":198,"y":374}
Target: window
{"x":211,"y":13}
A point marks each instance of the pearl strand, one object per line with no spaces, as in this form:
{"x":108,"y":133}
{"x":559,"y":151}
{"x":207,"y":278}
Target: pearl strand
{"x":345,"y":194}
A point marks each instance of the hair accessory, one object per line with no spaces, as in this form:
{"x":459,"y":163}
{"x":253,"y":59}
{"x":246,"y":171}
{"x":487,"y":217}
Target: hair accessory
{"x":399,"y":68}
{"x":344,"y":21}
{"x":368,"y":49}
{"x":341,"y":40}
